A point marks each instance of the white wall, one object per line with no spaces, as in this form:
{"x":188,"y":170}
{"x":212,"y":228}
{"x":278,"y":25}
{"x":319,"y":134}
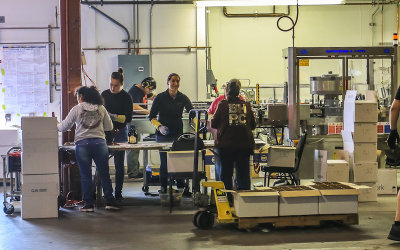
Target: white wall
{"x":173,"y":25}
{"x":38,"y":13}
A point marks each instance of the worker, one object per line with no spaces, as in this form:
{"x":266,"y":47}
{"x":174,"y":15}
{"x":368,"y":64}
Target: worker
{"x":234,"y":121}
{"x":211,"y":111}
{"x":119,"y":105}
{"x":393,"y":139}
{"x":169,"y":106}
{"x":140,"y":93}
{"x":91,"y":120}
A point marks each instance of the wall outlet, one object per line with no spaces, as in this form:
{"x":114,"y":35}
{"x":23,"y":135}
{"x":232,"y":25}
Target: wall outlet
{"x":2,"y":19}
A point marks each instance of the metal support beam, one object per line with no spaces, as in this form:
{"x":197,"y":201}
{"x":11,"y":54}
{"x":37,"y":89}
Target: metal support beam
{"x":70,"y":56}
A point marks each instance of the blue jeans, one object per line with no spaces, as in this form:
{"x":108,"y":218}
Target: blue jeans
{"x":94,"y":149}
{"x":217,"y":165}
{"x":119,"y":160}
{"x":240,"y":160}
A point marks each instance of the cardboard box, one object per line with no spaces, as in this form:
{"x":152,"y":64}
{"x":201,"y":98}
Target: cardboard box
{"x":257,"y":203}
{"x":387,"y":181}
{"x":359,"y":111}
{"x":298,"y":202}
{"x":366,"y":111}
{"x":183,"y":161}
{"x":337,"y":170}
{"x":366,"y":192}
{"x":281,"y":156}
{"x":39,"y":196}
{"x":365,"y":172}
{"x":339,"y":201}
{"x":39,"y":127}
{"x":9,"y":137}
{"x":336,"y":198}
{"x":365,"y":132}
{"x":40,"y":156}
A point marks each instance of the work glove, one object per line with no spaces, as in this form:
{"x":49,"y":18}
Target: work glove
{"x":163,"y":130}
{"x":393,"y":138}
{"x":118,"y":118}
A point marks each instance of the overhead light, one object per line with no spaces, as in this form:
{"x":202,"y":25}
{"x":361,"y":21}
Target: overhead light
{"x":220,"y":3}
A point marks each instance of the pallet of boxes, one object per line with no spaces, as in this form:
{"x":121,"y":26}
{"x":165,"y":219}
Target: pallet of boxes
{"x":307,"y":205}
{"x":360,"y":142}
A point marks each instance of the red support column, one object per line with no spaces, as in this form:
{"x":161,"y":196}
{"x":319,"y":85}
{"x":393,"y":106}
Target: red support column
{"x":70,"y":56}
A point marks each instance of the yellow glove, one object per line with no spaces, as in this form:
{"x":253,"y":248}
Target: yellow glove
{"x":156,"y":123}
{"x":118,"y":118}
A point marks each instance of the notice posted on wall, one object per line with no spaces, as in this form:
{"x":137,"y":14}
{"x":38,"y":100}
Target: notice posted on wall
{"x":24,"y":80}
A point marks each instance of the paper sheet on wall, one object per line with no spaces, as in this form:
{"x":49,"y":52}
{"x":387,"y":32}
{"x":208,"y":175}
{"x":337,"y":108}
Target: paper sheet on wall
{"x":25,"y":85}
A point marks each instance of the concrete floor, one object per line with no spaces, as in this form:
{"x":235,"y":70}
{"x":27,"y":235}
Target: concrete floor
{"x":144,"y":224}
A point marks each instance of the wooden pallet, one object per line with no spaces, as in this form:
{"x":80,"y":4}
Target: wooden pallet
{"x":298,"y":221}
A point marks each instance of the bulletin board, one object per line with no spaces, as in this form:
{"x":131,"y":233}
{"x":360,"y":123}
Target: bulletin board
{"x":24,"y":79}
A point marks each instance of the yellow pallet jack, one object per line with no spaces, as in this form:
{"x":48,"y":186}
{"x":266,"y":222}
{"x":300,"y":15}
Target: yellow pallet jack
{"x":219,"y":205}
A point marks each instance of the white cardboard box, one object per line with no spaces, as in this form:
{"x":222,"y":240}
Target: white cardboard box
{"x":39,"y":127}
{"x":304,"y":202}
{"x":340,"y":201}
{"x":8,"y":137}
{"x":337,"y":170}
{"x":359,"y":111}
{"x":366,"y":192}
{"x":365,"y":172}
{"x":40,"y":156}
{"x":387,"y":181}
{"x":39,"y":196}
{"x":182,"y":161}
{"x":281,"y":156}
{"x":365,"y":132}
{"x":256,"y":203}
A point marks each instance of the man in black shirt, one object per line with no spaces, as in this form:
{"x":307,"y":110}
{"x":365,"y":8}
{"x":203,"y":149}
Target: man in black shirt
{"x":392,"y":140}
{"x":140,"y":94}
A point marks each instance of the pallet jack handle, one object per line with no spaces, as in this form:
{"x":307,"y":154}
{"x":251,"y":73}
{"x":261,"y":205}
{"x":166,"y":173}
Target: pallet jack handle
{"x":196,"y":116}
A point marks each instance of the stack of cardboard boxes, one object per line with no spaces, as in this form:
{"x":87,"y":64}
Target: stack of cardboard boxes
{"x":40,"y":179}
{"x":360,"y":141}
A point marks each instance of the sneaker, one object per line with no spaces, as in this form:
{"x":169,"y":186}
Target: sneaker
{"x":394,"y":233}
{"x":86,"y":209}
{"x":112,"y":206}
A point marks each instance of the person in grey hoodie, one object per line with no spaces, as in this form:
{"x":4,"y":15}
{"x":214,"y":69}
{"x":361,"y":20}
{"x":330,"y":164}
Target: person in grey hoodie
{"x":91,"y":120}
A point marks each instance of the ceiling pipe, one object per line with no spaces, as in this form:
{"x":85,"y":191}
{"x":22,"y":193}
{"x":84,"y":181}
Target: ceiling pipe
{"x":225,"y":11}
{"x":133,"y":2}
{"x":117,"y":23}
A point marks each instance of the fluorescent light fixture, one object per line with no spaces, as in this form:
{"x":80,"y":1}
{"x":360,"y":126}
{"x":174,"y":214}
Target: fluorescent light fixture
{"x":220,"y":3}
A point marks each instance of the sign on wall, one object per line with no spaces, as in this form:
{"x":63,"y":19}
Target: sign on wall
{"x":25,"y":79}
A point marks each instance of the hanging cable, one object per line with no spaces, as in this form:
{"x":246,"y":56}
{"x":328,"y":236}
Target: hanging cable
{"x":86,"y":75}
{"x":293,"y":22}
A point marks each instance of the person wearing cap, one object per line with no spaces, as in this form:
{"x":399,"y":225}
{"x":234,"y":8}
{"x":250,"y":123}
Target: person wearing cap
{"x":140,"y":94}
{"x":169,"y":106}
{"x":393,"y":139}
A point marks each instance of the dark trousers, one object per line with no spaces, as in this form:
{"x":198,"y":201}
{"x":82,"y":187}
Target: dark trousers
{"x":240,"y":160}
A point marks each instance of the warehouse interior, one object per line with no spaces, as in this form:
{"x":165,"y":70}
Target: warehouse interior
{"x":323,"y":71}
